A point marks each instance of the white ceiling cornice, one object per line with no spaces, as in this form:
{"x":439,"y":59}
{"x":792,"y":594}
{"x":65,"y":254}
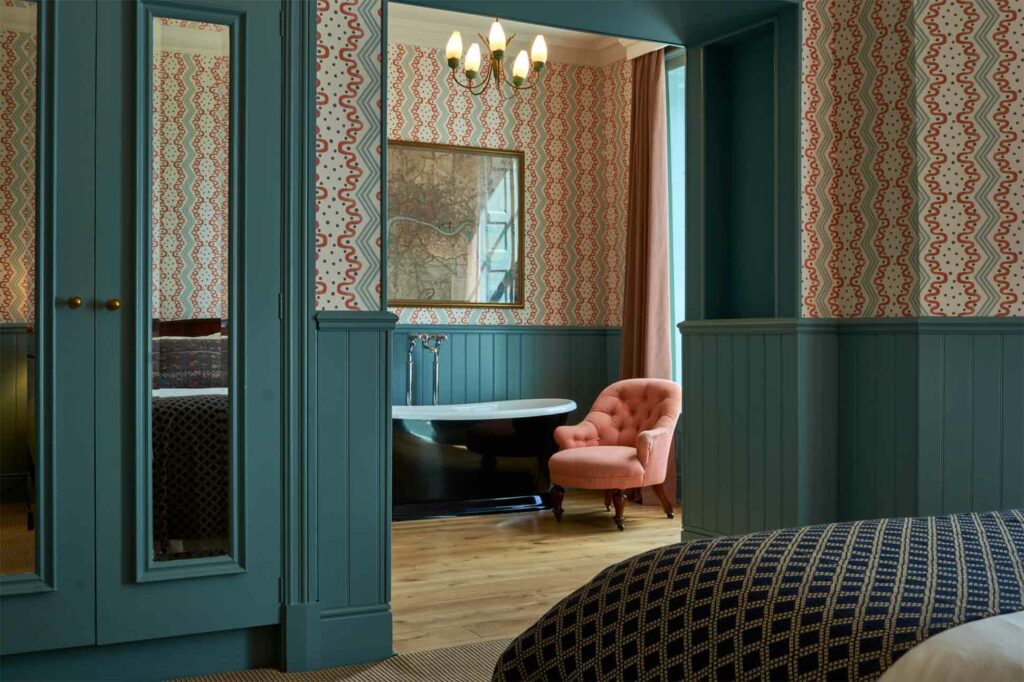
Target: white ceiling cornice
{"x":430,"y":28}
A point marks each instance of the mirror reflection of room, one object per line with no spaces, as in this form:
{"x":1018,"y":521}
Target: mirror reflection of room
{"x":19,"y":56}
{"x":190,"y":217}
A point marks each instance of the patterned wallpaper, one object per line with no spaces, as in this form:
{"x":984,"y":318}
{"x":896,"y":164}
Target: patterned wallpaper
{"x":913,"y":117}
{"x":574,"y":131}
{"x":17,"y":174}
{"x":191,"y":113}
{"x":348,"y":149}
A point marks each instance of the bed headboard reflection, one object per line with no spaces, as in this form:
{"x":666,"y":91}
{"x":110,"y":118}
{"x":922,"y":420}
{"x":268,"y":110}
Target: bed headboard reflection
{"x":205,"y":326}
{"x":190,"y":354}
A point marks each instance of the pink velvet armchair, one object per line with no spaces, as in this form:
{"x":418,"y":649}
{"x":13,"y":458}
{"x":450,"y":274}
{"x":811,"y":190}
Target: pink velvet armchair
{"x":623,"y":443}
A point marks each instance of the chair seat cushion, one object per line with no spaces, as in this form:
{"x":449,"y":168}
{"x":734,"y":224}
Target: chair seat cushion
{"x":601,"y":467}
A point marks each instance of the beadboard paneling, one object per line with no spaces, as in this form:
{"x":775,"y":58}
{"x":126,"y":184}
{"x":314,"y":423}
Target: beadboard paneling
{"x":789,"y":422}
{"x":971,"y":418}
{"x":750,"y":459}
{"x":878,"y":421}
{"x":352,"y":432}
{"x":489,"y":362}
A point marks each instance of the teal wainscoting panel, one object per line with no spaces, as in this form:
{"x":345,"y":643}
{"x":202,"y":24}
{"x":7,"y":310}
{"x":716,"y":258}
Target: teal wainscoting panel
{"x":787,"y":422}
{"x":878,"y":418}
{"x":480,"y":363}
{"x":16,"y":342}
{"x":352,"y":439}
{"x":758,"y":425}
{"x":970,"y":405}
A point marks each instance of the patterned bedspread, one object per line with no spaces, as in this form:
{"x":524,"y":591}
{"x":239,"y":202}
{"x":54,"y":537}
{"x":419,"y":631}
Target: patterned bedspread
{"x":191,"y":476}
{"x":836,"y":601}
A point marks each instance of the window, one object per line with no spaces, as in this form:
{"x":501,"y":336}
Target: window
{"x":675,"y":72}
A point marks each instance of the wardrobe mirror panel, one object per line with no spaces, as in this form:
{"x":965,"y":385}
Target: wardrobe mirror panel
{"x":191,"y":427}
{"x":19,"y":59}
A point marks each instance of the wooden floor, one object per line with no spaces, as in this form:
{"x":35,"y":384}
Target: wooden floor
{"x":485,"y":577}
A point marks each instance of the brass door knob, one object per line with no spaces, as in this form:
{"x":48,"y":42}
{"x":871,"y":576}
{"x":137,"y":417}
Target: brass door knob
{"x":113,"y":304}
{"x":75,"y":302}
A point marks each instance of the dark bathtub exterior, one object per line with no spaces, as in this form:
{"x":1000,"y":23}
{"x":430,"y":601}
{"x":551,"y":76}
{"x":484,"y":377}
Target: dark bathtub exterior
{"x":460,"y":467}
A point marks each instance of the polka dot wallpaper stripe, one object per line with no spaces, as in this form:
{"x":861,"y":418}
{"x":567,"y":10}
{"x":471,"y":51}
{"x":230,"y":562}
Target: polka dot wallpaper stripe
{"x":912,"y":124}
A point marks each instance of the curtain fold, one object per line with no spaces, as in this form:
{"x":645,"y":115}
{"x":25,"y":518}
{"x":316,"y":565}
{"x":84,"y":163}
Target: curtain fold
{"x":646,"y":349}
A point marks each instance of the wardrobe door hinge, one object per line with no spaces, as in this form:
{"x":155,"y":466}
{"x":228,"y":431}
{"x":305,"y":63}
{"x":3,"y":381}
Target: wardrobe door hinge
{"x":280,"y":23}
{"x":280,"y":590}
{"x":280,"y":306}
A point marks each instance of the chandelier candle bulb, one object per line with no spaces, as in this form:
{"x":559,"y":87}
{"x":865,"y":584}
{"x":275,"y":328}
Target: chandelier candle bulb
{"x":496,"y":40}
{"x":539,"y":52}
{"x":472,"y":61}
{"x":454,"y":49}
{"x":520,"y":68}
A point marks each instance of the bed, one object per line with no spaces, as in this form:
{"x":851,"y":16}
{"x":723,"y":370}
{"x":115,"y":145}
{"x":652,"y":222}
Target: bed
{"x":835,"y":601}
{"x":190,"y":436}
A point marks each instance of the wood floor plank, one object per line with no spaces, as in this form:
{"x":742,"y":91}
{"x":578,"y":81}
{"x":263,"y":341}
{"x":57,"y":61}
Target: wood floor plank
{"x":477,"y":578}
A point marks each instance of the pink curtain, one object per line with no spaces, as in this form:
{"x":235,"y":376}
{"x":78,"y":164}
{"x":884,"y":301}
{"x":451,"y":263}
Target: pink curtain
{"x":647,"y":320}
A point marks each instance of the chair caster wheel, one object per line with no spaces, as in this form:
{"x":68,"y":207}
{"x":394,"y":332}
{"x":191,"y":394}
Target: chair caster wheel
{"x":670,"y":515}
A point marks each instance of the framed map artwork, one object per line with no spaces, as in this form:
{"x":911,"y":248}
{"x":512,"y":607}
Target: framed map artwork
{"x":454,"y":226}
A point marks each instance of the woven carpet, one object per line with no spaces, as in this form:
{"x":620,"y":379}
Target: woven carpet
{"x":464,"y":663}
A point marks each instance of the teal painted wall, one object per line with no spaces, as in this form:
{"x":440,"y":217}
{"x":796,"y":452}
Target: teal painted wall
{"x":740,"y":230}
{"x":483,"y":363}
{"x":742,"y":158}
{"x":794,"y":421}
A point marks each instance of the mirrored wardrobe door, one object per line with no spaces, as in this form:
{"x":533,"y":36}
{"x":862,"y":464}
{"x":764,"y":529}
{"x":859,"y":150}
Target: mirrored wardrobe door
{"x":19,"y":103}
{"x":196,"y":371}
{"x":46,"y":325}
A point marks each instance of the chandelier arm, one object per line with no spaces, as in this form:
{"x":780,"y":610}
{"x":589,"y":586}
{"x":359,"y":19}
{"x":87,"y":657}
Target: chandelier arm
{"x":532,"y":82}
{"x":468,"y":84}
{"x":455,"y":78}
{"x":485,"y":80}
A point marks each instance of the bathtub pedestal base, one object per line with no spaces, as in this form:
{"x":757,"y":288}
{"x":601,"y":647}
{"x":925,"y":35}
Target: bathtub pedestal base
{"x":439,"y":510}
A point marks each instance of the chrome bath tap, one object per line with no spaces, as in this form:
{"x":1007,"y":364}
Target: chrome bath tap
{"x":413,"y":338}
{"x":432,"y":343}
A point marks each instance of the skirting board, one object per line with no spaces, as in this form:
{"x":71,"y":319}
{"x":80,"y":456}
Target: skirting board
{"x":155,"y":659}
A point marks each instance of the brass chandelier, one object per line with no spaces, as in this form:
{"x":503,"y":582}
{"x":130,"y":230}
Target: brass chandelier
{"x":494,"y":68}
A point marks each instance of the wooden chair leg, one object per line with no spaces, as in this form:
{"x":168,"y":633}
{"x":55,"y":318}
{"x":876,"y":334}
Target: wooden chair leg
{"x":607,"y":500}
{"x":618,"y":501}
{"x":557,"y":495}
{"x":666,"y":503}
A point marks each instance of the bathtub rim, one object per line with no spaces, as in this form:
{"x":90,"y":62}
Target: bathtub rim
{"x":499,"y":409}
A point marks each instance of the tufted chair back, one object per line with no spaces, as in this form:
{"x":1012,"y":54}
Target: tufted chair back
{"x":630,"y":406}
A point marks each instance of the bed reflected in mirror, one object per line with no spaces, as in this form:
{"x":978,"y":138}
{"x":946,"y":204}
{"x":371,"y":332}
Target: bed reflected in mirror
{"x":18,"y":341}
{"x":191,"y":428}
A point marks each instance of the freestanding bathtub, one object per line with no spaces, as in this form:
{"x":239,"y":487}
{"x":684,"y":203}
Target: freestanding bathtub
{"x":476,"y":458}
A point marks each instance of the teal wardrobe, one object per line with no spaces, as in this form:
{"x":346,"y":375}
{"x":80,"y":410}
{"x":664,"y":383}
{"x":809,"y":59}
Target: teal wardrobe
{"x":105,"y":592}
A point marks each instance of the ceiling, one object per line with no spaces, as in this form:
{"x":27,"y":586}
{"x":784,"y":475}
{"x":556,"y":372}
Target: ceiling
{"x":430,"y":28}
